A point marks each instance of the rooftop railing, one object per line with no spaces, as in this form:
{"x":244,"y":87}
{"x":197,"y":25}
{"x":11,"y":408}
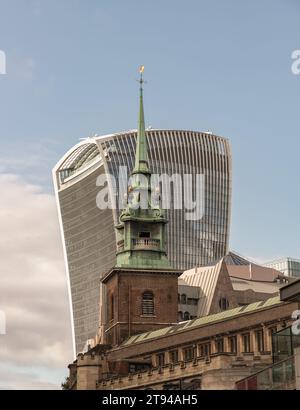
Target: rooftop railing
{"x":148,"y":243}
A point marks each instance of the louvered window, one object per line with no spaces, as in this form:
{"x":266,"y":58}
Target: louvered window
{"x":148,"y":304}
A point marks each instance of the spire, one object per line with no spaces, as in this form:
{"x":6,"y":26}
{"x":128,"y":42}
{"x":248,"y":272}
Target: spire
{"x":141,"y":155}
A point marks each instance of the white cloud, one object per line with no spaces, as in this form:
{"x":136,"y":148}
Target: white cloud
{"x":33,"y":292}
{"x":35,"y":160}
{"x":29,"y":378}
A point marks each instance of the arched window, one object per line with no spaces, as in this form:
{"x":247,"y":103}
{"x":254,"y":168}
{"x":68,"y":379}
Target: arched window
{"x":148,"y":303}
{"x":180,"y":316}
{"x":183,"y":299}
{"x":186,"y":316}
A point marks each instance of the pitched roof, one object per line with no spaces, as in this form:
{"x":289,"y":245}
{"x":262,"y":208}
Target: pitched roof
{"x":206,"y":278}
{"x":203,"y":321}
{"x":235,"y":259}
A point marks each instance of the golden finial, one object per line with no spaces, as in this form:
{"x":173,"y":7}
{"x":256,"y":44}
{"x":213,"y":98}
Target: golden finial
{"x":141,"y":69}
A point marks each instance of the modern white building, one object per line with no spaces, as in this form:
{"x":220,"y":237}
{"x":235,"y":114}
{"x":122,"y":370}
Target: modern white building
{"x":288,"y":266}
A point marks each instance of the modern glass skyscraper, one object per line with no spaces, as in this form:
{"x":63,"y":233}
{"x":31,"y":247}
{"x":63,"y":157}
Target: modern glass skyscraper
{"x":288,"y":266}
{"x":88,"y":233}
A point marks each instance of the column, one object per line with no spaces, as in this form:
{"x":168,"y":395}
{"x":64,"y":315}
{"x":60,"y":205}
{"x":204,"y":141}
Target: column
{"x":226,"y":344}
{"x":180,"y":354}
{"x":154,"y":360}
{"x":213,"y":346}
{"x":267,"y":339}
{"x":253,"y":344}
{"x":239,"y":344}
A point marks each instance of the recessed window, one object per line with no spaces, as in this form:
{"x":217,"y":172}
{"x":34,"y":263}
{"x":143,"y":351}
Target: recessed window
{"x":148,"y":303}
{"x":144,"y":234}
{"x":186,"y":316}
{"x":220,"y":345}
{"x":174,"y":356}
{"x":223,"y":303}
{"x":188,"y":354}
{"x":183,"y":299}
{"x":180,"y":316}
{"x":192,"y":301}
{"x":246,"y":342}
{"x":160,"y":359}
{"x":204,"y":350}
{"x":233,"y":344}
{"x":259,"y":335}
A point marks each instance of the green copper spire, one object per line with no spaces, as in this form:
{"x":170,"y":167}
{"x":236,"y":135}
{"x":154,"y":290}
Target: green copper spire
{"x":141,"y":156}
{"x":141,"y":233}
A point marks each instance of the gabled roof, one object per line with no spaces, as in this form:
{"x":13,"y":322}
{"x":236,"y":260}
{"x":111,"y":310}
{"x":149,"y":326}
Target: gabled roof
{"x":206,"y":279}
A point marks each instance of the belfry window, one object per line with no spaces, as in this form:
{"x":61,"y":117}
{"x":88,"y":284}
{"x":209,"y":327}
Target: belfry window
{"x":148,"y":304}
{"x":144,"y":234}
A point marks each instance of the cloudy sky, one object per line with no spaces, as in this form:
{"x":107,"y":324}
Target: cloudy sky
{"x":222,"y":65}
{"x":33,"y":294}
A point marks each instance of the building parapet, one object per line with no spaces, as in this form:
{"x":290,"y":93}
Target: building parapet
{"x":158,"y":377}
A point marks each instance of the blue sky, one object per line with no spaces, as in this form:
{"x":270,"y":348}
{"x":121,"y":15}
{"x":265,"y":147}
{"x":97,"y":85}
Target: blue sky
{"x":219,"y":65}
{"x":223,"y":65}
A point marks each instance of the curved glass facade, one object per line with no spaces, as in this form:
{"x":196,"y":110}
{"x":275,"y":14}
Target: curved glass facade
{"x":88,"y":232}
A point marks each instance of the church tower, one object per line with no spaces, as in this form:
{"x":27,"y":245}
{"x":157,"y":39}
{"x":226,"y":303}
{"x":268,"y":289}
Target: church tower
{"x":142,"y":289}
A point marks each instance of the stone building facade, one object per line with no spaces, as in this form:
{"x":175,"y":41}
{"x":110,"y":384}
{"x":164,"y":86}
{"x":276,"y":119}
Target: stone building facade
{"x":212,"y":352}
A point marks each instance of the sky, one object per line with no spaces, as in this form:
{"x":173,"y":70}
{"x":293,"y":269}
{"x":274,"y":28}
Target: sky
{"x":71,"y":66}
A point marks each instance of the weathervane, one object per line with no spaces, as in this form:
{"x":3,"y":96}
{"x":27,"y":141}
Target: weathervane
{"x":141,"y":70}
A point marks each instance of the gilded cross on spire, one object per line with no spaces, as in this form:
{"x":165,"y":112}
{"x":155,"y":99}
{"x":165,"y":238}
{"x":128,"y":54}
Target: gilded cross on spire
{"x":141,"y":154}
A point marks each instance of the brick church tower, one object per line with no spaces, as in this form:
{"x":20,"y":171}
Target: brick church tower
{"x":142,"y":289}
